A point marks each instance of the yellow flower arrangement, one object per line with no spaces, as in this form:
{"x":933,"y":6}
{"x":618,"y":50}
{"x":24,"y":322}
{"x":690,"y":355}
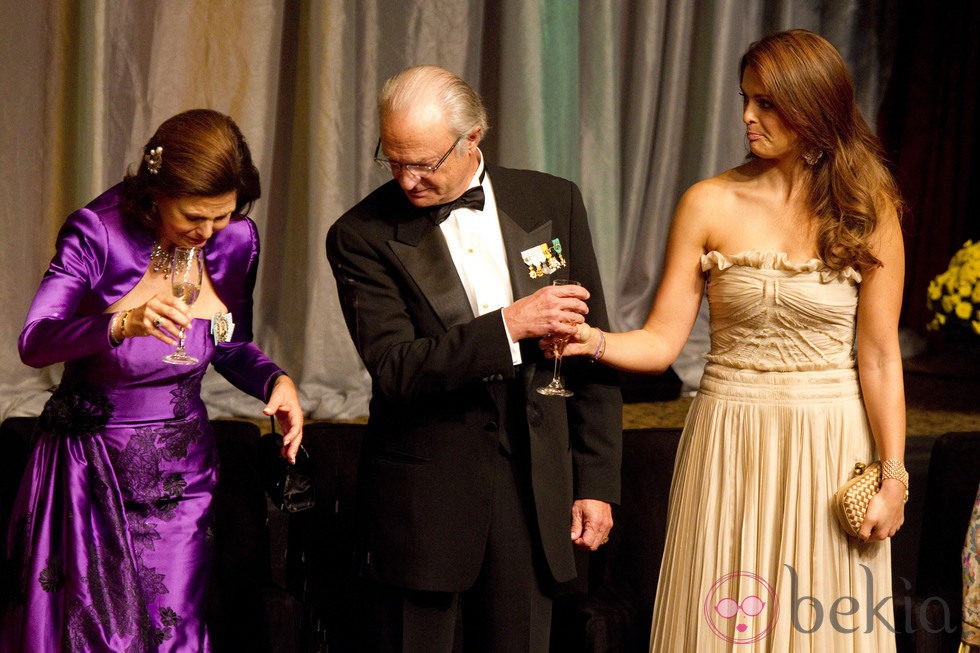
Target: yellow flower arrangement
{"x":954,"y":295}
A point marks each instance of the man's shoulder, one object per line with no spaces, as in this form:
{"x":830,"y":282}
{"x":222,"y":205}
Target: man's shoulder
{"x":524,"y":177}
{"x":376,"y":217}
{"x":384,"y":202}
{"x":517,"y":189}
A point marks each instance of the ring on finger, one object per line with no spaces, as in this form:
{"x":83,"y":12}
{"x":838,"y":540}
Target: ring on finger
{"x":156,"y":323}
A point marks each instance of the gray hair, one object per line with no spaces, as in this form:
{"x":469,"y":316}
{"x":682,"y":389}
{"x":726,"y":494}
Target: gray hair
{"x":412,"y":87}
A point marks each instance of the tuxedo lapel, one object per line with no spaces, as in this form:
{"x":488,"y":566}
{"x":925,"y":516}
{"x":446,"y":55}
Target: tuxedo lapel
{"x":423,"y":251}
{"x":516,"y":240}
{"x":420,"y":247}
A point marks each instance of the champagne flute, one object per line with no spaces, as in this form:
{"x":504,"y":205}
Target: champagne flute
{"x":186,"y":273}
{"x":555,"y":388}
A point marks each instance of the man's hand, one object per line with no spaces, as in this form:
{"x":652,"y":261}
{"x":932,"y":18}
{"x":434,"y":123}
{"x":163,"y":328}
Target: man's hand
{"x":591,"y":522}
{"x":555,"y":310}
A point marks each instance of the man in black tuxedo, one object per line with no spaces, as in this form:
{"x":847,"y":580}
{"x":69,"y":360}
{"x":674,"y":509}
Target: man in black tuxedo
{"x":473,"y":486}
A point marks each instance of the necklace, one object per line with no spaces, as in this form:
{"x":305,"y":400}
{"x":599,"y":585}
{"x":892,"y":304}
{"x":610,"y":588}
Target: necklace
{"x":161,"y":258}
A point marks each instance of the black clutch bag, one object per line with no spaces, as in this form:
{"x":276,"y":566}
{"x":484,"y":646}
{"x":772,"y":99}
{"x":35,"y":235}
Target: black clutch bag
{"x":290,"y":487}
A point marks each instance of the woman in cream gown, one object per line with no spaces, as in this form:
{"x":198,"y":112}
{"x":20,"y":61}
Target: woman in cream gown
{"x":800,"y":252}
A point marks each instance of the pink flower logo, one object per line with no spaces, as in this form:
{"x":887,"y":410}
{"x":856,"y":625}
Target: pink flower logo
{"x":741,"y":607}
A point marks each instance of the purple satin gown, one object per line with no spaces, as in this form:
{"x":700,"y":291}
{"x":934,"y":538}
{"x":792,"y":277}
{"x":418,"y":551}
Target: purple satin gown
{"x":109,"y":541}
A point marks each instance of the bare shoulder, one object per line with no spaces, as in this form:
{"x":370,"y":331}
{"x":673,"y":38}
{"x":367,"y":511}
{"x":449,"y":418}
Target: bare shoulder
{"x":887,"y":237}
{"x":710,"y":198}
{"x":708,"y":191}
{"x":888,"y":216}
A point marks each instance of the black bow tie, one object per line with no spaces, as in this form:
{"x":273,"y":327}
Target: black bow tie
{"x":471,"y":199}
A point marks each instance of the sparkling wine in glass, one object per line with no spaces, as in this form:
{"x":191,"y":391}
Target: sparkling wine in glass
{"x":186,"y":273}
{"x":555,"y":388}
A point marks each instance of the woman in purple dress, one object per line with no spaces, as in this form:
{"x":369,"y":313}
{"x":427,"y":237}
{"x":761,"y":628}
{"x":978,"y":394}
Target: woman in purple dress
{"x":108,"y":545}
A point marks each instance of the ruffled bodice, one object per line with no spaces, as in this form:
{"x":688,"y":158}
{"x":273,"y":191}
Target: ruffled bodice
{"x":770,"y":314}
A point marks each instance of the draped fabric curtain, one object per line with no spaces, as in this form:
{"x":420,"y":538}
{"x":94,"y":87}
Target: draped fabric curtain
{"x":633,"y":99}
{"x":930,"y":123}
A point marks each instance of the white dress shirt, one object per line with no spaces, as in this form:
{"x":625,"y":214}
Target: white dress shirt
{"x":477,"y":248}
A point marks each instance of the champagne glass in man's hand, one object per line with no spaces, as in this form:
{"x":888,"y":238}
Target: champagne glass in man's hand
{"x":186,"y":274}
{"x":555,"y":388}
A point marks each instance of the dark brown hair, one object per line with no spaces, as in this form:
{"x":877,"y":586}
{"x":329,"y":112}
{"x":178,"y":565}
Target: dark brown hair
{"x":204,"y":155}
{"x":812,"y":90}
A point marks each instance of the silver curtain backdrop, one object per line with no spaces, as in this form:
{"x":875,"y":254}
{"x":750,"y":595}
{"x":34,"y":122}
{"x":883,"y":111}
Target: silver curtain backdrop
{"x":633,"y":99}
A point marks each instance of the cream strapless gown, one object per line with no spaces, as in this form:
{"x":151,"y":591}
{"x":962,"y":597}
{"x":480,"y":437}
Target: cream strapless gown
{"x":754,"y":559}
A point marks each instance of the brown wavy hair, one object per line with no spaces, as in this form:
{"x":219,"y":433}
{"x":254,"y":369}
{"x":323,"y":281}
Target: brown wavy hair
{"x":204,"y":155}
{"x":848,"y":186}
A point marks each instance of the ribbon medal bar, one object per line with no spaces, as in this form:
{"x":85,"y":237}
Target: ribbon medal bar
{"x":544,"y":258}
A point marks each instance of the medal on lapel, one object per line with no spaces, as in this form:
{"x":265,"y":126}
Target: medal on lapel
{"x":544,"y":258}
{"x":534,"y":258}
{"x":556,"y":247}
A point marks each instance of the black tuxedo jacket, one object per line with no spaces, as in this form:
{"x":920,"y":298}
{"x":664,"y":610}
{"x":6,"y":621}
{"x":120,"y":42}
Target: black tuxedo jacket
{"x":444,"y":385}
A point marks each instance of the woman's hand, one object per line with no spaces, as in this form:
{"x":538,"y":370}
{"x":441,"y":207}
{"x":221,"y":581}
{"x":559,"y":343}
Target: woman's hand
{"x":284,"y":404}
{"x":162,"y":316}
{"x":582,"y":343}
{"x":886,"y":512}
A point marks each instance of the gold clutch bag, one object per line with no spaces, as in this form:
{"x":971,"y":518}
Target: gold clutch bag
{"x":851,"y":500}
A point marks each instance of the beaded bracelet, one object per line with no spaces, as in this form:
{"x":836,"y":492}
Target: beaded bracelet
{"x":601,"y":347}
{"x":893,"y":468}
{"x":122,"y":328}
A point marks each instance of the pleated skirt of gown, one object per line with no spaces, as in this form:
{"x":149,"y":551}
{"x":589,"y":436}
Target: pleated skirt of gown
{"x":754,"y":558}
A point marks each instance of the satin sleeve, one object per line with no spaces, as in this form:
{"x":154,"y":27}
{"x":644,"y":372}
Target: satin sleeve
{"x":246,"y":368}
{"x":54,"y":331}
{"x":241,"y":361}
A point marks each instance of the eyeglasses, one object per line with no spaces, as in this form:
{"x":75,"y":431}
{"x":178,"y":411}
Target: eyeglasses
{"x":751,"y":606}
{"x":414,"y":169}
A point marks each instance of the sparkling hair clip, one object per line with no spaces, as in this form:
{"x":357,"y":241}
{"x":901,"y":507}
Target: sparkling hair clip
{"x":154,"y":159}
